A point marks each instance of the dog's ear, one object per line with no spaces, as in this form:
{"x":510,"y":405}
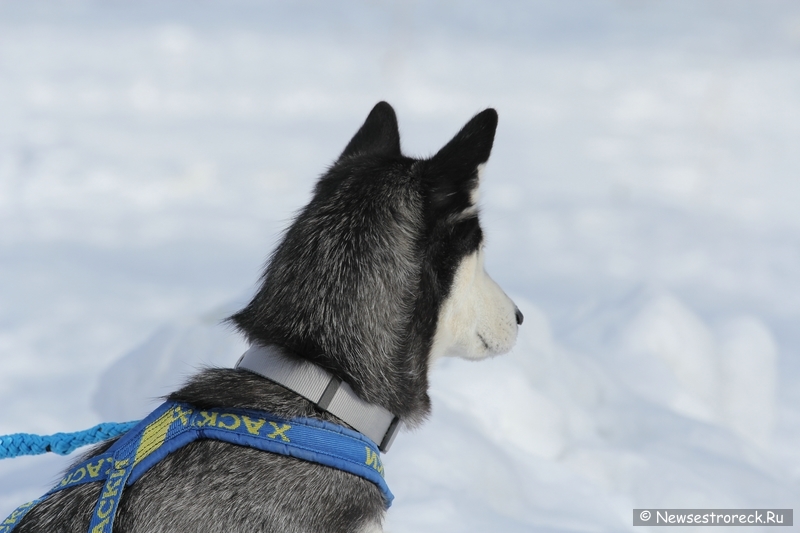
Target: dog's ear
{"x":454,"y":170}
{"x":379,"y":135}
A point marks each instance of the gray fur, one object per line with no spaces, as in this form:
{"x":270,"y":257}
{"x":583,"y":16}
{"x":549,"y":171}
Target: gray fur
{"x":356,"y":287}
{"x":211,"y":486}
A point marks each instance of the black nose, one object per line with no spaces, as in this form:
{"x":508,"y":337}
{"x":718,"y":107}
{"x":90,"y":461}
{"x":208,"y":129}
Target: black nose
{"x":519,"y":316}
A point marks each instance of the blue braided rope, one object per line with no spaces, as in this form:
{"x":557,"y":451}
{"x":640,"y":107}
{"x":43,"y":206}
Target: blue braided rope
{"x":60,"y":443}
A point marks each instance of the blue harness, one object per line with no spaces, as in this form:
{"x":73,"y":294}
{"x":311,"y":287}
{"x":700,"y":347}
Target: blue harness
{"x":174,"y":425}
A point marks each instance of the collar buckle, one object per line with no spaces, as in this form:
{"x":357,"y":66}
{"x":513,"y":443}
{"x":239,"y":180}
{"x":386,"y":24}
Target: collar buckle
{"x":324,"y":390}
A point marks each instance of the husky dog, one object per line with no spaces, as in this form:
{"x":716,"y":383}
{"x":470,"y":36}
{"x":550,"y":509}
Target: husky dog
{"x":378,"y":276}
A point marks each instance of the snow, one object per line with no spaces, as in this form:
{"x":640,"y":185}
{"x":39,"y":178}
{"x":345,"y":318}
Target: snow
{"x":639,"y":205}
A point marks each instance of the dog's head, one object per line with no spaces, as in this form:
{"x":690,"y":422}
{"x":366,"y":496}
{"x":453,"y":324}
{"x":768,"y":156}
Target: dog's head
{"x":382,"y":272}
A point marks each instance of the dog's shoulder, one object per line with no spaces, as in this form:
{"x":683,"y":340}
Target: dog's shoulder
{"x":264,"y":491}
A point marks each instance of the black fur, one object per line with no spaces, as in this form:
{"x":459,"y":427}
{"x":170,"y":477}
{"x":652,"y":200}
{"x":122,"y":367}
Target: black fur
{"x":355,"y":286}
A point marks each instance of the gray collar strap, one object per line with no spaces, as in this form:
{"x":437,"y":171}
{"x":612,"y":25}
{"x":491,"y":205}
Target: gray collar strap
{"x":325,"y":390}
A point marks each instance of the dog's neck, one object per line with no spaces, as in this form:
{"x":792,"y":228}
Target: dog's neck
{"x":325,"y":390}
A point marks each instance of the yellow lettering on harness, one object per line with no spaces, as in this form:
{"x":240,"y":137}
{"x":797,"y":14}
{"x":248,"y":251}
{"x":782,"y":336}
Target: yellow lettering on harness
{"x":253,"y":426}
{"x":374,"y":460}
{"x":119,"y":468}
{"x":78,"y":475}
{"x":101,"y":526}
{"x":100,"y":511}
{"x":17,"y":512}
{"x":94,"y":470}
{"x":233,"y":425}
{"x":179,"y":413}
{"x":279,"y":431}
{"x":209,"y":419}
{"x":111,"y":489}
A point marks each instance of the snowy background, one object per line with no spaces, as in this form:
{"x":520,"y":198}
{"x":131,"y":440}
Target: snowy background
{"x":641,"y":206}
